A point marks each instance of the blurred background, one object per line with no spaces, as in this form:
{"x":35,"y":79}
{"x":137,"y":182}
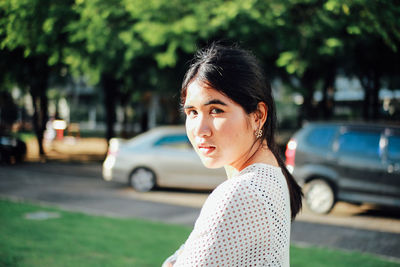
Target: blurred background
{"x":76,"y":74}
{"x":114,"y":68}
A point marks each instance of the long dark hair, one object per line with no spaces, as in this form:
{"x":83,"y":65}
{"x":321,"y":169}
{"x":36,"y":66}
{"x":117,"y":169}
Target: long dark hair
{"x":237,"y":74}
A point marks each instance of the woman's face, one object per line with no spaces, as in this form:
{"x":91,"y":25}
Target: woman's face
{"x":221,"y":132}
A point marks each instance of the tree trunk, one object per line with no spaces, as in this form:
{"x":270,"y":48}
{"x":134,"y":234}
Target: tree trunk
{"x":366,"y":103}
{"x":38,"y":82}
{"x":328,"y":95}
{"x":125,"y":100}
{"x":110,"y":89}
{"x":375,"y":96}
{"x":371,"y":85}
{"x":40,"y":118}
{"x":308,"y":83}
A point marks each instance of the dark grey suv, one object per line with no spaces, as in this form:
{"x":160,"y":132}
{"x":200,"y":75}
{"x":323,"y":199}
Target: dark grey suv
{"x":357,"y":163}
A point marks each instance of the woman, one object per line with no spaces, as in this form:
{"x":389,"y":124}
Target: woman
{"x":230,"y":121}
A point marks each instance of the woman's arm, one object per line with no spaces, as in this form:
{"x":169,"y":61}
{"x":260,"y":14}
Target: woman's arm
{"x":170,"y":261}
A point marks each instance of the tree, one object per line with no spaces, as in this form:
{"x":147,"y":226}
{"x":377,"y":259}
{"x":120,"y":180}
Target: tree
{"x":128,"y":46}
{"x":372,"y":42}
{"x":324,"y":37}
{"x":37,"y":29}
{"x":146,"y":43}
{"x":98,"y":50}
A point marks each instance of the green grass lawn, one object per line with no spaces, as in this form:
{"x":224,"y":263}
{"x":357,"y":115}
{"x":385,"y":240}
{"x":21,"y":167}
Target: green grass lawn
{"x":76,"y":239}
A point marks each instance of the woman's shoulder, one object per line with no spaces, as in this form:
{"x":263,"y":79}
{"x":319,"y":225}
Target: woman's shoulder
{"x":261,"y":181}
{"x":255,"y":177}
{"x":259,"y":173}
{"x":260,"y":168}
{"x":258,"y":187}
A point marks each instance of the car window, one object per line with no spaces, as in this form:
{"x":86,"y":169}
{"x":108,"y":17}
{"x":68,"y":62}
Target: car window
{"x":321,"y":136}
{"x":393,"y":149}
{"x":359,"y":143}
{"x":173,"y":141}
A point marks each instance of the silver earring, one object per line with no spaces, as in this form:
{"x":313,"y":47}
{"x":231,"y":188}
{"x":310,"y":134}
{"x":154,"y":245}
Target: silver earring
{"x":258,"y":133}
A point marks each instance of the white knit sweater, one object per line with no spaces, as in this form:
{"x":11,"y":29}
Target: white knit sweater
{"x":244,"y":222}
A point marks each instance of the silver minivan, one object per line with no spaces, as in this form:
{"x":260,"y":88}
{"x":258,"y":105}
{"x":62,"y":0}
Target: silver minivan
{"x":351,"y":162}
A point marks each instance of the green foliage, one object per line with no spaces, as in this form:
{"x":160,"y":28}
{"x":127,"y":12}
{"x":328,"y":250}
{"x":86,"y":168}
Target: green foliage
{"x":96,"y":45}
{"x":316,"y":32}
{"x":36,"y":26}
{"x":95,"y":37}
{"x":292,"y":62}
{"x":145,"y":44}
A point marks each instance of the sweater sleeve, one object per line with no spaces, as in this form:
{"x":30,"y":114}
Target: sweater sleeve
{"x":236,"y":227}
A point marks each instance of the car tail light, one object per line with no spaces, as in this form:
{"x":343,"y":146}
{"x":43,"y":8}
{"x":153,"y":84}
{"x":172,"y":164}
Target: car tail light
{"x":113,"y":147}
{"x":110,"y":160}
{"x":290,"y":154}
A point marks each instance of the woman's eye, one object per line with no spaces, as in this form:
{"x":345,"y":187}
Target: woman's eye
{"x":192,"y":113}
{"x":216,"y":111}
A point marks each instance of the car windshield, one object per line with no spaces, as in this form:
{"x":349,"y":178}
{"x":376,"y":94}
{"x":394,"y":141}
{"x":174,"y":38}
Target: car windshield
{"x":173,"y":141}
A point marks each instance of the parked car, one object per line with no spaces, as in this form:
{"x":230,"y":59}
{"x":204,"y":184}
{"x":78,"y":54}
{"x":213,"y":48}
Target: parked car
{"x":160,"y":157}
{"x":12,"y":149}
{"x":351,"y":162}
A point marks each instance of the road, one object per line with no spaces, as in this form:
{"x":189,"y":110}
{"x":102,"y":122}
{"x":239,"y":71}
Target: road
{"x":79,"y":187}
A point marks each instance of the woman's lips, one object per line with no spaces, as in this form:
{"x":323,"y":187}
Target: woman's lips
{"x":206,"y":149}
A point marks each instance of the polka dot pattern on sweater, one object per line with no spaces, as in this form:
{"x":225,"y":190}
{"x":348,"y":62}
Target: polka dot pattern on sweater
{"x":244,"y":222}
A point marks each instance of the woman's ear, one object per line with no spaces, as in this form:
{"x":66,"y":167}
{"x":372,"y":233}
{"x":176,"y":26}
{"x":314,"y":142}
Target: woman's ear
{"x":260,"y":115}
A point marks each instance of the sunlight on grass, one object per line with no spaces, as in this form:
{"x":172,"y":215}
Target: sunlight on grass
{"x":76,"y":239}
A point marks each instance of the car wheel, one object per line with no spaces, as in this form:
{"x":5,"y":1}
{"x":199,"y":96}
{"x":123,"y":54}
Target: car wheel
{"x":319,"y":196}
{"x":142,"y":179}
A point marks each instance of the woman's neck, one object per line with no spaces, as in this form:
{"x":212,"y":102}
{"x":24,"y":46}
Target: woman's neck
{"x":262,"y":155}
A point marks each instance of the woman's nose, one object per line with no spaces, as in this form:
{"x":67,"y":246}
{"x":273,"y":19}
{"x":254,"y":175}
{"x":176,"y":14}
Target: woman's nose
{"x":202,"y":127}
